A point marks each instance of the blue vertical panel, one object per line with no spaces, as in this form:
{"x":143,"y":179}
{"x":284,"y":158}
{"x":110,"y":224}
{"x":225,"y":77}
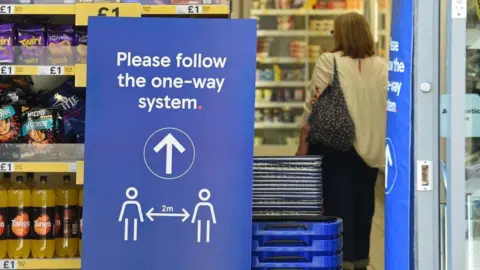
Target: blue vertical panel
{"x":398,"y":150}
{"x":169,"y":144}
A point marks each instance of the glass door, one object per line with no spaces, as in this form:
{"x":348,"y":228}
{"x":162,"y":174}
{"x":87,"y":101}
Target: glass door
{"x":472,"y":136}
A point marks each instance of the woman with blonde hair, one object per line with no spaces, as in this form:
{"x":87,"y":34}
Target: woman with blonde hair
{"x":345,"y":121}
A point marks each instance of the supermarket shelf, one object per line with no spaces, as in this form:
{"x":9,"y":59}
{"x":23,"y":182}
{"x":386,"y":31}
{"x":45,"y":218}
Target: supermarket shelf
{"x":283,"y":60}
{"x":33,"y":9}
{"x":291,"y":33}
{"x":301,"y":12}
{"x":276,"y":125}
{"x":280,"y":84}
{"x":36,"y":70}
{"x":74,"y":263}
{"x":287,"y":105}
{"x":72,"y":9}
{"x":38,"y":167}
{"x":185,"y":9}
{"x":81,"y":75}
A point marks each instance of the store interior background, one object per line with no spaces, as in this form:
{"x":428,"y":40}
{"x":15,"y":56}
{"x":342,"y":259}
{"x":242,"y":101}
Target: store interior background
{"x":290,"y":38}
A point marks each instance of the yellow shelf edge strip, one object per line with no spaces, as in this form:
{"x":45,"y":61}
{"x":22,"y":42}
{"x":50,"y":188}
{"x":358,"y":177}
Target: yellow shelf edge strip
{"x":44,"y":167}
{"x":80,"y":172}
{"x":49,"y":264}
{"x":79,"y":10}
{"x":34,"y":9}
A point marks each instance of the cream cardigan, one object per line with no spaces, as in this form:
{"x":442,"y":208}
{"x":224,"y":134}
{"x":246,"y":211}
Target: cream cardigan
{"x":364,"y":83}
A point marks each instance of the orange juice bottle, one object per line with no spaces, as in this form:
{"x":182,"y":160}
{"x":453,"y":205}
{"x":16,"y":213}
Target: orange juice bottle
{"x":43,"y":213}
{"x":30,"y":182}
{"x":80,"y":218}
{"x":19,"y":203}
{"x":66,"y":241}
{"x":6,"y":181}
{"x":3,"y":225}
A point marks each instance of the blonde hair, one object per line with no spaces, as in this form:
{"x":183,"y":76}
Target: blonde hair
{"x":352,"y":36}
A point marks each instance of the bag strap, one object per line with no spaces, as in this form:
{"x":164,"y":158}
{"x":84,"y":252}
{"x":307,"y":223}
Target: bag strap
{"x":335,"y":71}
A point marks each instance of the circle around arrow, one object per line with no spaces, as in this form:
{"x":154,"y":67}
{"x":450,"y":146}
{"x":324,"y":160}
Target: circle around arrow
{"x":145,"y":149}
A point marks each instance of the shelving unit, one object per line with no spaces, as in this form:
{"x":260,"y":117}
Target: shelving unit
{"x":278,"y":134}
{"x":74,"y":263}
{"x":68,"y":158}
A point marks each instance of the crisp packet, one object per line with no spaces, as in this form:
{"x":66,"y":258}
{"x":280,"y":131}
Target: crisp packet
{"x":60,"y":39}
{"x":42,"y":126}
{"x":6,"y":43}
{"x":68,"y":100}
{"x":81,"y":38}
{"x":31,"y":39}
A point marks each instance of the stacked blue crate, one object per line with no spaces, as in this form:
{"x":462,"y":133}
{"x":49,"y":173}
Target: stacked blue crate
{"x":287,"y":186}
{"x":308,"y":244}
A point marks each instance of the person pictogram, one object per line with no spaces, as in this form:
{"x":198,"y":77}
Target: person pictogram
{"x":132,"y":194}
{"x":204,"y":196}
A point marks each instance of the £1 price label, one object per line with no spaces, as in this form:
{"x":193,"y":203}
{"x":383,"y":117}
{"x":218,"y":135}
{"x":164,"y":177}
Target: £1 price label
{"x":6,"y":167}
{"x":189,"y":9}
{"x":8,"y":264}
{"x":51,"y":70}
{"x":7,"y":9}
{"x":7,"y":70}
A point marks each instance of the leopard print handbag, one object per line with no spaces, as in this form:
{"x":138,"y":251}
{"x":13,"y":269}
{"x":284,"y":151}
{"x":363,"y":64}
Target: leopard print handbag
{"x":330,"y":122}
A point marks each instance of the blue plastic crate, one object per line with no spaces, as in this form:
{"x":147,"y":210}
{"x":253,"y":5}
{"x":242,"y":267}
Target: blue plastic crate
{"x":316,"y":263}
{"x":316,"y":247}
{"x":328,"y":228}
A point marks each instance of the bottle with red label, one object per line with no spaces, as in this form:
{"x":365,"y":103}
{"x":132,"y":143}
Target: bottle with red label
{"x":43,"y":216}
{"x":66,"y":239}
{"x":19,"y":204}
{"x":3,"y":225}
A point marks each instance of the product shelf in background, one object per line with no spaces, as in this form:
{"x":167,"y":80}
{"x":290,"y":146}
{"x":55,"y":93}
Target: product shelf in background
{"x":273,"y":104}
{"x":262,"y":84}
{"x":92,"y":9}
{"x":74,"y":263}
{"x":283,"y":60}
{"x":276,"y":125}
{"x":292,"y":33}
{"x":302,"y":12}
{"x":79,"y":71}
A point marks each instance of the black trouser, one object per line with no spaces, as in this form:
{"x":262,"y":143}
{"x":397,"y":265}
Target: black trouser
{"x":349,"y":193}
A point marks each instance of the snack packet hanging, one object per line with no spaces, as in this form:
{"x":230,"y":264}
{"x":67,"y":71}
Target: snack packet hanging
{"x":60,"y":39}
{"x":81,"y":38}
{"x":67,"y":99}
{"x":31,"y":39}
{"x":6,"y":43}
{"x":42,"y":126}
{"x":10,"y":111}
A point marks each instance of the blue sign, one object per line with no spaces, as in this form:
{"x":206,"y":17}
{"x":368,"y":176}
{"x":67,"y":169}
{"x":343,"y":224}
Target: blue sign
{"x":169,"y":144}
{"x":398,"y":147}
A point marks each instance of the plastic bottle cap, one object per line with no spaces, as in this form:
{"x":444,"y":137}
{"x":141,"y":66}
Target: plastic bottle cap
{"x":19,"y":178}
{"x":67,"y":178}
{"x":30,"y":175}
{"x":43,"y":179}
{"x":7,"y":175}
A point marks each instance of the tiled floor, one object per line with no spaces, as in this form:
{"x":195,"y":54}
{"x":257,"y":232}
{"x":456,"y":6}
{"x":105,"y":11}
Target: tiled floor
{"x":377,"y":245}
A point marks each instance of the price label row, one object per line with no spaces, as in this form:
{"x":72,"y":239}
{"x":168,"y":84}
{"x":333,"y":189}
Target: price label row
{"x":41,"y":70}
{"x":85,"y":10}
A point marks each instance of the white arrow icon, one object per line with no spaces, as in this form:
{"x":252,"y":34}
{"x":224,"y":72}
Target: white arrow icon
{"x":150,"y":214}
{"x":169,"y":141}
{"x":388,"y":163}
